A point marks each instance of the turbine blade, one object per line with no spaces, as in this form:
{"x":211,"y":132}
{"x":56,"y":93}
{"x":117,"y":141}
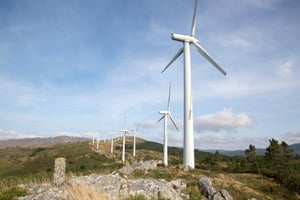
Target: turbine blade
{"x":137,"y":129}
{"x":194,"y":22}
{"x":160,"y":118}
{"x":209,"y":58}
{"x":125,"y":122}
{"x":173,"y":59}
{"x":173,"y":122}
{"x":169,"y":96}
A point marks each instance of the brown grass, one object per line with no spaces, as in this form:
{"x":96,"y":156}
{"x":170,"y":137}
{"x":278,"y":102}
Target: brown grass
{"x":83,"y":192}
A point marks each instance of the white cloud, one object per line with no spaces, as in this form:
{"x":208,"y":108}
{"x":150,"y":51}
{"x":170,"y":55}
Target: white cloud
{"x":224,"y":120}
{"x":20,"y":93}
{"x":286,"y":68}
{"x":264,"y":4}
{"x":148,"y":124}
{"x":239,"y":41}
{"x":12,"y":134}
{"x":250,"y":83}
{"x":292,"y":137}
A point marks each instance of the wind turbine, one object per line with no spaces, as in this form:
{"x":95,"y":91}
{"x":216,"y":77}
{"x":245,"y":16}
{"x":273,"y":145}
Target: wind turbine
{"x":98,"y":140}
{"x":165,"y":117}
{"x":112,"y":143}
{"x":134,"y":139}
{"x":125,"y":132}
{"x":187,"y":40}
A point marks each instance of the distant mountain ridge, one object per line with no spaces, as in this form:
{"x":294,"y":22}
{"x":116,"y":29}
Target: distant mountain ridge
{"x":295,"y":147}
{"x":38,"y":141}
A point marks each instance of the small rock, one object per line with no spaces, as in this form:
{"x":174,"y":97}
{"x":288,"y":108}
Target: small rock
{"x":206,"y":187}
{"x":221,"y":195}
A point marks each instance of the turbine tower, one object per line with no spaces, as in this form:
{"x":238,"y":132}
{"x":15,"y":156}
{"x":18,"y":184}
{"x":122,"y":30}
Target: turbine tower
{"x":187,"y":40}
{"x":165,"y":114}
{"x":134,"y":139}
{"x":125,"y":132}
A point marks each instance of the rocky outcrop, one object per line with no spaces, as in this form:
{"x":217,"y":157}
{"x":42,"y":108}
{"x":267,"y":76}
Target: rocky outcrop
{"x":140,"y":165}
{"x":113,"y":187}
{"x":210,"y":192}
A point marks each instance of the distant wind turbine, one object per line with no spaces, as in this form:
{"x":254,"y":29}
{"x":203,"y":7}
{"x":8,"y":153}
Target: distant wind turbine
{"x":187,"y":40}
{"x":98,"y":140}
{"x":165,"y":117}
{"x":134,"y":139}
{"x":112,"y":143}
{"x":125,"y":132}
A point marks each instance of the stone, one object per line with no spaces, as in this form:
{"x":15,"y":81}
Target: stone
{"x":178,"y":184}
{"x":139,"y":165}
{"x":186,"y":168}
{"x":221,"y":195}
{"x":153,"y":189}
{"x":206,"y":187}
{"x":59,"y":171}
{"x":126,"y":170}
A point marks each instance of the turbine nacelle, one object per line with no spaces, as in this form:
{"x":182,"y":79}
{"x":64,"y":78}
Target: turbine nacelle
{"x":183,"y":38}
{"x":165,"y":112}
{"x":125,"y":132}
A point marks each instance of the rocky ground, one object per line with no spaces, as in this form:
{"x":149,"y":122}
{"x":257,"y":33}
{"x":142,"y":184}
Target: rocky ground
{"x":116,"y":186}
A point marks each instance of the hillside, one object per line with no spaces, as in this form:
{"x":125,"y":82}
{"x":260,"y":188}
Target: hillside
{"x":35,"y":164}
{"x":35,"y":142}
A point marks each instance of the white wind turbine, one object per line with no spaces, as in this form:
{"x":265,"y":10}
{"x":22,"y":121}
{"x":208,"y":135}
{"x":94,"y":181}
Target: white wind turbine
{"x":112,"y":143}
{"x":165,"y":114}
{"x":134,"y":139}
{"x":98,"y":140}
{"x":187,"y":40}
{"x":125,"y":132}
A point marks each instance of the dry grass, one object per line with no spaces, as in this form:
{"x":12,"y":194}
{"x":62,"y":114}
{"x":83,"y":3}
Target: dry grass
{"x":30,"y":180}
{"x":247,"y":185}
{"x":83,"y":192}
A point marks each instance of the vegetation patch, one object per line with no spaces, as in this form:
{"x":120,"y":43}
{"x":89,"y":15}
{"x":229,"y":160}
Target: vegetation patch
{"x":12,"y":193}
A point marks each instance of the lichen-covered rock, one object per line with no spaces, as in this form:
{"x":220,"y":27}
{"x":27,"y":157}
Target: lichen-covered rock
{"x":178,"y":184}
{"x":109,"y":185}
{"x":206,"y":187}
{"x":139,"y":165}
{"x":221,"y":195}
{"x":153,"y":189}
{"x":210,"y":192}
{"x":50,"y":194}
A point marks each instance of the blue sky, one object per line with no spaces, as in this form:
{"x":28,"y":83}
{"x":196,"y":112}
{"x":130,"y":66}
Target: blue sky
{"x":80,"y":67}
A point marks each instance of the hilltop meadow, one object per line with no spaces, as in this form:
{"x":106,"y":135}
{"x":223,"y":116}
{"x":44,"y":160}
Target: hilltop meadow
{"x":275,"y":175}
